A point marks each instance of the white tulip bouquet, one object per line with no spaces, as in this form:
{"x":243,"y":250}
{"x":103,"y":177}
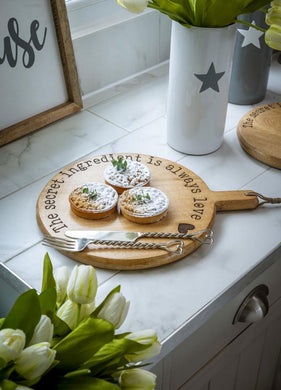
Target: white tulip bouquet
{"x":59,"y":339}
{"x":214,"y":13}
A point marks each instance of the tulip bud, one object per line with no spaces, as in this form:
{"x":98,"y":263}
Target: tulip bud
{"x":19,"y":387}
{"x":12,"y":342}
{"x":134,"y":6}
{"x":43,"y":331}
{"x":82,"y":285}
{"x":137,"y":379}
{"x":86,"y":310}
{"x":115,"y":309}
{"x":273,"y":19}
{"x":61,"y":276}
{"x":33,"y":361}
{"x":69,"y":312}
{"x":273,"y":37}
{"x":146,"y":337}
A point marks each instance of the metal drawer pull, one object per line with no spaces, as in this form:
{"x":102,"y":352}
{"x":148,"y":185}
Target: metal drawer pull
{"x":254,"y":307}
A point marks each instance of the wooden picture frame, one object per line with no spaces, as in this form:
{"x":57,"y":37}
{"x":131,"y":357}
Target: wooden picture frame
{"x":63,"y":61}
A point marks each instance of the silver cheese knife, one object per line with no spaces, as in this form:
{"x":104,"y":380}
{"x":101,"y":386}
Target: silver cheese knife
{"x":105,"y":237}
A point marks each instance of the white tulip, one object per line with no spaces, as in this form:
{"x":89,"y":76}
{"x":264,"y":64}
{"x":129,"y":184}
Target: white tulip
{"x":273,"y":37}
{"x":137,"y":379}
{"x":61,"y":276}
{"x":19,"y":387}
{"x":134,"y":6}
{"x":273,"y":19}
{"x":86,"y":310}
{"x":33,"y":361}
{"x":12,"y":342}
{"x":43,"y":331}
{"x":82,"y":285}
{"x":146,"y":337}
{"x":115,"y":309}
{"x":68,"y":312}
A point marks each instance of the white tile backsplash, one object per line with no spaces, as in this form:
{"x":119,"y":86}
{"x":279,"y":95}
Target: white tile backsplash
{"x":120,"y":51}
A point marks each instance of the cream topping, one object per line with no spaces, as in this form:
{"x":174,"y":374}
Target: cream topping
{"x":136,"y":174}
{"x":144,"y":202}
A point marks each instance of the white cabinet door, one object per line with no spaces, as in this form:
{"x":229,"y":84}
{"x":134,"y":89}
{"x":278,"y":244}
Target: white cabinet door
{"x":249,"y":362}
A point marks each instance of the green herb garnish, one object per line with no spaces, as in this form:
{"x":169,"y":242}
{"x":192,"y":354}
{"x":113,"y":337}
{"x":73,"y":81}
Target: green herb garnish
{"x":120,"y":164}
{"x":142,"y":198}
{"x":91,"y":194}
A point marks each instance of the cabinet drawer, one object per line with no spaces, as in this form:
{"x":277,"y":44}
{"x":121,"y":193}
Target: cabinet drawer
{"x":251,"y":361}
{"x":194,"y":352}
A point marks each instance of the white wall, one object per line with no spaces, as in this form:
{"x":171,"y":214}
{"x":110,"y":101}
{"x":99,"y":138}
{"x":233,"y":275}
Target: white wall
{"x":111,"y":44}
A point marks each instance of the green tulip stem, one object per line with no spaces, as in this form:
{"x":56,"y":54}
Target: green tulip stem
{"x":250,"y":25}
{"x":78,"y":314}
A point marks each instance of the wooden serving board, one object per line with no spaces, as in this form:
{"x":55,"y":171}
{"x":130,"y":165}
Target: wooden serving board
{"x":259,"y":133}
{"x":192,"y":205}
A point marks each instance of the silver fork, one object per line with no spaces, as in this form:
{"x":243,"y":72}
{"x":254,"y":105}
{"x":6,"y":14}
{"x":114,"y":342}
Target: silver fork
{"x":79,"y":244}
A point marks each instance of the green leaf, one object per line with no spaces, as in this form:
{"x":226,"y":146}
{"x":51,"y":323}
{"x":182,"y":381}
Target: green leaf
{"x":72,"y":374}
{"x":98,"y":309}
{"x":83,"y":342}
{"x":110,"y":351}
{"x":6,"y":371}
{"x":7,"y":385}
{"x":206,"y":13}
{"x":180,"y":11}
{"x":120,"y":164}
{"x":1,"y":322}
{"x":2,"y":363}
{"x":25,"y":314}
{"x":48,"y":280}
{"x":47,"y":300}
{"x":255,"y":5}
{"x":86,"y":383}
{"x":112,"y":354}
{"x":61,"y":329}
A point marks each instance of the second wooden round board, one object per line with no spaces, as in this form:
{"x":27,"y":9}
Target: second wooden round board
{"x":259,"y":133}
{"x":192,"y":205}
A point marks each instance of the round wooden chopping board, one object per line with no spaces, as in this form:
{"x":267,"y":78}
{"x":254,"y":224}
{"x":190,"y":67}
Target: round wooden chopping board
{"x":192,"y":206}
{"x":259,"y":133}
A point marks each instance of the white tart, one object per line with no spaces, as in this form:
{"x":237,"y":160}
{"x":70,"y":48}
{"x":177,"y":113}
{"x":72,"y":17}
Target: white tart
{"x":93,"y":200}
{"x":143,"y":205}
{"x":135,"y":174}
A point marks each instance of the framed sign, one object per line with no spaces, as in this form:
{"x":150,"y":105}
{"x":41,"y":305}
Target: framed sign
{"x":38,"y":76}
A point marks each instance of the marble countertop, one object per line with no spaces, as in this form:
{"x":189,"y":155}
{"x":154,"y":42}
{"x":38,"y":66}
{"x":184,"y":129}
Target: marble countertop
{"x":133,"y":120}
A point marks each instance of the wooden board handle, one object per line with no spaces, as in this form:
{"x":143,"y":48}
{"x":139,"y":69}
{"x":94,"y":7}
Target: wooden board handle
{"x":235,"y":200}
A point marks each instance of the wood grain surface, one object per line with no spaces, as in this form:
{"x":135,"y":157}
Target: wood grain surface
{"x":74,"y":99}
{"x":259,"y":133}
{"x":192,"y":204}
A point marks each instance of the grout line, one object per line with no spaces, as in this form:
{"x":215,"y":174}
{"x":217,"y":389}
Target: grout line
{"x":21,"y":251}
{"x":14,"y":256}
{"x":109,"y":121}
{"x":254,"y":178}
{"x":111,"y":277}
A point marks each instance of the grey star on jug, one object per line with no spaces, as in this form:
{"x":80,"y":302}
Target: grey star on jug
{"x":210,"y":79}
